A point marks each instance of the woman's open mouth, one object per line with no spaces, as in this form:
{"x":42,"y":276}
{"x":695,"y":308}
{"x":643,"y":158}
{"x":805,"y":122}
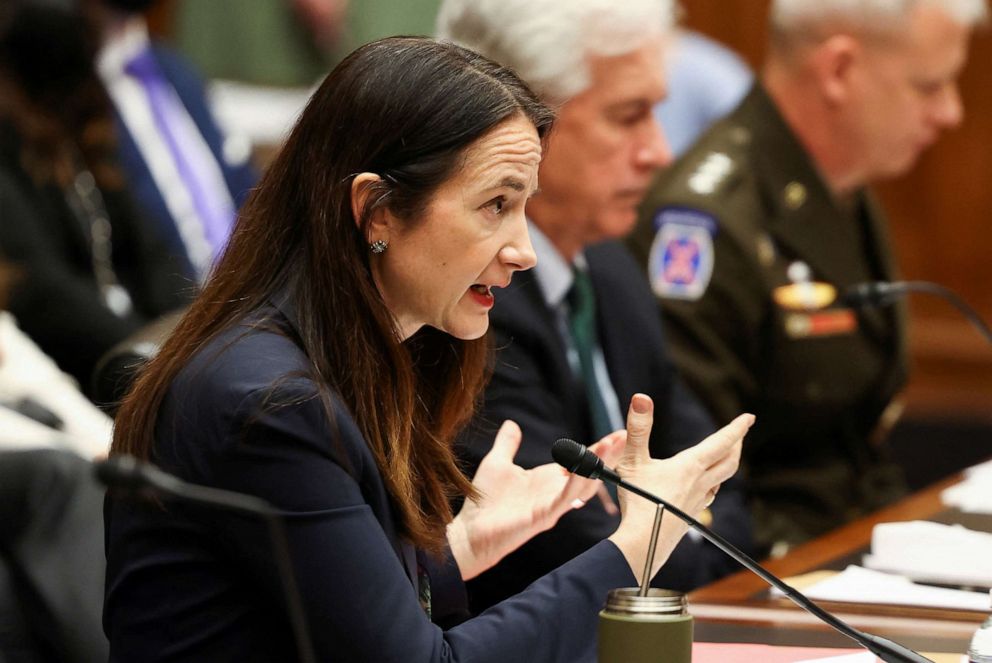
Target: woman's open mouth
{"x":482,"y":294}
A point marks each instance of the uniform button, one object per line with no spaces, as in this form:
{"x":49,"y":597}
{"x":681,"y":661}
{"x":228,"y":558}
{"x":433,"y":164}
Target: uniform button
{"x":740,"y":135}
{"x":795,"y":195}
{"x":766,"y":251}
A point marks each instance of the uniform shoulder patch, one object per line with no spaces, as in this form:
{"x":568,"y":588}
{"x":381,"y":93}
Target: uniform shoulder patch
{"x":712,"y":171}
{"x":680,"y":263}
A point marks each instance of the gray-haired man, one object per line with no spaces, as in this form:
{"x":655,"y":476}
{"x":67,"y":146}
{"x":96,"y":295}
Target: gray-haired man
{"x":580,"y":334}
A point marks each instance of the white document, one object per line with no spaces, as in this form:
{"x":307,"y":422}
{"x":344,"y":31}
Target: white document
{"x":863,"y":657}
{"x":932,"y":552}
{"x":859,"y":585}
{"x":974,"y":494}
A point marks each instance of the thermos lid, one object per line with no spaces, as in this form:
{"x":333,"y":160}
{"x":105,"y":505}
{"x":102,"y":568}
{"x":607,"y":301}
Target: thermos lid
{"x":627,"y":601}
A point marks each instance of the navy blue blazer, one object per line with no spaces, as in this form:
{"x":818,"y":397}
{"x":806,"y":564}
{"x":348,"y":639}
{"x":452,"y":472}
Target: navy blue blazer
{"x":534,"y":386}
{"x":187,"y":584}
{"x":240,"y":177}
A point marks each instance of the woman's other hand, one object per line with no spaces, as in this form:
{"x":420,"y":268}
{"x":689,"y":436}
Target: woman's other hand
{"x":688,"y":480}
{"x":515,"y":504}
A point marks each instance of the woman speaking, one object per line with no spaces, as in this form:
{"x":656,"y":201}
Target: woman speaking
{"x":327,"y":366}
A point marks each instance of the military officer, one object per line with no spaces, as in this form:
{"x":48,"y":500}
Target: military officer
{"x":775,"y":195}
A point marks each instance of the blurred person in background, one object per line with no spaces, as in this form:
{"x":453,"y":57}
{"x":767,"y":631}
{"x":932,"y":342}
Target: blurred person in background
{"x":277,"y":43}
{"x":40,"y":406}
{"x":88,"y":270}
{"x":186,"y":175}
{"x":264,"y":57}
{"x":51,"y":535}
{"x":777,"y":195}
{"x":51,"y":558}
{"x":579,"y":335}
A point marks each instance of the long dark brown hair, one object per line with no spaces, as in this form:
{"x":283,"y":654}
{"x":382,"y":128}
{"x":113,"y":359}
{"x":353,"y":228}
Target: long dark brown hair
{"x":407,"y":109}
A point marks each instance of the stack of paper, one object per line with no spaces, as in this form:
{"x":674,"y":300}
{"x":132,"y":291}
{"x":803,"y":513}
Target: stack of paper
{"x":974,"y":494}
{"x":932,"y":552}
{"x":859,"y":585}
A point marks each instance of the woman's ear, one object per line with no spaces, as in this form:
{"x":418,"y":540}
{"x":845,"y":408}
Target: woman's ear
{"x":363,"y":187}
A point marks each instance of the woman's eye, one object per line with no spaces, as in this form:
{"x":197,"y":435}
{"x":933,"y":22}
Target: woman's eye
{"x":497,"y":205}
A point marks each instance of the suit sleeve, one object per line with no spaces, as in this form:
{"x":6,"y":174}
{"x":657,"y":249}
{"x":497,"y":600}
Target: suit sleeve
{"x":360,"y":602}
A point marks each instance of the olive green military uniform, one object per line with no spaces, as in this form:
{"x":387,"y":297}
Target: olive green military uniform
{"x":717,"y":234}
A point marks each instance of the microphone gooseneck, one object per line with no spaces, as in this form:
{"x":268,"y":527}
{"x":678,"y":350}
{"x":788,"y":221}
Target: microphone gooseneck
{"x":131,"y":475}
{"x":575,"y":458}
{"x":884,"y":293}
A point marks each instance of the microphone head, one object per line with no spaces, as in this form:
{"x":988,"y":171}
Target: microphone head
{"x":872,"y":294}
{"x":858,"y":295}
{"x":576,"y":458}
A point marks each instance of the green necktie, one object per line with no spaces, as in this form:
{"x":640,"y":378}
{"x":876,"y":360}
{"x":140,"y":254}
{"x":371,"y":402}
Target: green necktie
{"x":582,"y":324}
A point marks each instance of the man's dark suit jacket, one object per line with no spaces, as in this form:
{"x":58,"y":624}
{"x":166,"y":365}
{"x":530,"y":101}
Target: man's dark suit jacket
{"x":239,"y":176}
{"x":534,"y":386}
{"x":186,"y":584}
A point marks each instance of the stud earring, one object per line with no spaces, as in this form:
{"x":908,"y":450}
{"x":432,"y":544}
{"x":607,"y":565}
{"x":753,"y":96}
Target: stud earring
{"x":378,"y":246}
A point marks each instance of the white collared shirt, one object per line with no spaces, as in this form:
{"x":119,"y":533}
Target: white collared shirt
{"x":132,"y":103}
{"x":554,"y":277}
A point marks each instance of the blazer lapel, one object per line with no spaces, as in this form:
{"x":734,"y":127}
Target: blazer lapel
{"x":522,"y":316}
{"x":407,"y":553}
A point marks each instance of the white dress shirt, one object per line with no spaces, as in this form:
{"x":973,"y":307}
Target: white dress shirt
{"x":129,"y":96}
{"x":554,"y":277}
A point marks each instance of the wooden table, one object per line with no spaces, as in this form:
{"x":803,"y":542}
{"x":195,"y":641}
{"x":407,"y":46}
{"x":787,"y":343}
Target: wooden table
{"x":740,"y":609}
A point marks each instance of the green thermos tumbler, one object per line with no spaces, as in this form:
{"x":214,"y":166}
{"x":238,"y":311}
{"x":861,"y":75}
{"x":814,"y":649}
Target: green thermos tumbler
{"x":656,"y":628}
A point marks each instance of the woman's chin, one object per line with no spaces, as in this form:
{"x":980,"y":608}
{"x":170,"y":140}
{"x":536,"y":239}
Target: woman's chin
{"x":469,"y":330}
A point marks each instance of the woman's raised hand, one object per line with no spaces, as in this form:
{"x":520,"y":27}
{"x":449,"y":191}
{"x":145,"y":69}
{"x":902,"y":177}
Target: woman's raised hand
{"x":689,"y":480}
{"x":515,"y":504}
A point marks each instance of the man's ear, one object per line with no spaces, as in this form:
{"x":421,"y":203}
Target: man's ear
{"x":363,"y":187}
{"x":835,"y":64}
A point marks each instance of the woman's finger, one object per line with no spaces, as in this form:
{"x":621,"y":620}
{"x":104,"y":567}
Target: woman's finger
{"x":718,"y":446}
{"x":640,"y":418}
{"x":610,"y":448}
{"x":507,"y":442}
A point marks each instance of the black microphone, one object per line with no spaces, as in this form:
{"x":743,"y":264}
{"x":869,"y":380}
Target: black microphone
{"x":575,"y":458}
{"x":131,"y":475}
{"x":883,"y":293}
